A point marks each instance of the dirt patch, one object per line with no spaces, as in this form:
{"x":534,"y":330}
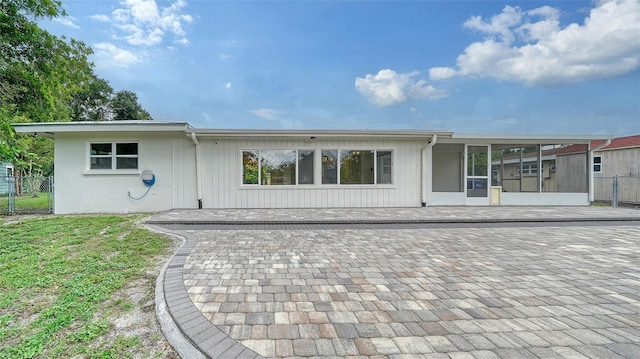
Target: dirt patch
{"x":126,"y":322}
{"x":136,"y":314}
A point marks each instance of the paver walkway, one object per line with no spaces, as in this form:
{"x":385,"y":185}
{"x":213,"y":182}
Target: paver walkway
{"x":395,"y":215}
{"x":506,"y":292}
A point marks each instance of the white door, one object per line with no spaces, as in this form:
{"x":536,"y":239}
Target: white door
{"x":477,"y":164}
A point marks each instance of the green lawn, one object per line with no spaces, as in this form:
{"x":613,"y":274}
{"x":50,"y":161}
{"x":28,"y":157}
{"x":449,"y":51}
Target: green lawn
{"x":61,"y":280}
{"x":27,"y":204}
{"x":39,"y":203}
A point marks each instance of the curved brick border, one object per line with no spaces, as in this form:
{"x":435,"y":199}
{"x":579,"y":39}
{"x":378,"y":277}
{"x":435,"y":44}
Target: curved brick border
{"x":206,"y":339}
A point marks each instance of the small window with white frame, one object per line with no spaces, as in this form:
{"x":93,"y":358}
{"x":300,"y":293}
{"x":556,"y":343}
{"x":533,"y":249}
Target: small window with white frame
{"x":597,"y":164}
{"x":113,"y":156}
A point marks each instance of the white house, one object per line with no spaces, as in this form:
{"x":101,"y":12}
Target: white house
{"x":153,"y":166}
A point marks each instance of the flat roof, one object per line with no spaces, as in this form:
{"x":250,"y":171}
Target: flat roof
{"x":320,"y":133}
{"x":532,"y":139}
{"x":49,"y":129}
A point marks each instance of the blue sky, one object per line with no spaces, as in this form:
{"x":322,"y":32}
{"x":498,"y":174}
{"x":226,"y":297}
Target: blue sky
{"x":538,"y":67}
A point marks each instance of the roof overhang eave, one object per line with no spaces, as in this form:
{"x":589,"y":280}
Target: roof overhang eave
{"x":530,"y":139}
{"x":52,"y":128}
{"x":313,"y":134}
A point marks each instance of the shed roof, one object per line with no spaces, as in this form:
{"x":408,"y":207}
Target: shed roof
{"x":618,"y":143}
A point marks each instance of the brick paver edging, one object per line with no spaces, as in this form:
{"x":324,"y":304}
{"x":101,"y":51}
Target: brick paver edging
{"x":393,"y":221}
{"x":205,"y":337}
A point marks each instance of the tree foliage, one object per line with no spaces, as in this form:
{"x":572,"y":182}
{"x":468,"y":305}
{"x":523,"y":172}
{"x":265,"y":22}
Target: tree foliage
{"x":125,"y":107}
{"x":93,"y":101}
{"x":47,"y":78}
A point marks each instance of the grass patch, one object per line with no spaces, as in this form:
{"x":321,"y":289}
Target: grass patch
{"x":59,"y":284}
{"x":29,"y":204}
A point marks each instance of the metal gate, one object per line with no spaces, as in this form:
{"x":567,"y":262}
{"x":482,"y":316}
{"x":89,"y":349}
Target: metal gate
{"x":618,"y":190}
{"x":26,"y":195}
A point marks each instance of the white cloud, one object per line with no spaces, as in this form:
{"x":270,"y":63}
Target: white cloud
{"x":227,"y":85}
{"x":100,"y":17}
{"x":441,"y":73}
{"x":66,"y":21}
{"x":499,"y":24}
{"x":184,"y":41}
{"x":144,"y":23}
{"x":416,"y":112}
{"x":388,"y":88}
{"x":114,"y":56}
{"x":531,"y":47}
{"x":267,"y":114}
{"x":224,"y":57}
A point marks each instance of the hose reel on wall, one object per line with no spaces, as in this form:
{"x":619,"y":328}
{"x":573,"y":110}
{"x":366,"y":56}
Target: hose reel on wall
{"x":149,"y":179}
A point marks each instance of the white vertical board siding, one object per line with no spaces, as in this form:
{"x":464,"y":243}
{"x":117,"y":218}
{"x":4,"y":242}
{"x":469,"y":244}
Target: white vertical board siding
{"x":222,"y":182}
{"x":185,"y":190}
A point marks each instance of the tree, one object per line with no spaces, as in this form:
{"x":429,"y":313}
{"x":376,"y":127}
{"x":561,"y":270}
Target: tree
{"x":125,"y":106}
{"x":39,"y":73}
{"x":47,"y":78}
{"x":93,"y":102}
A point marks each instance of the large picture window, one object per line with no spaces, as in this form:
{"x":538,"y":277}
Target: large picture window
{"x":356,"y":167}
{"x":277,"y":167}
{"x":113,"y":156}
{"x":298,"y":167}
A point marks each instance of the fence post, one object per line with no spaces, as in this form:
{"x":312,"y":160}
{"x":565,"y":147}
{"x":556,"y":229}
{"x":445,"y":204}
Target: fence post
{"x":614,"y":195}
{"x":50,"y":194}
{"x":11,"y":181}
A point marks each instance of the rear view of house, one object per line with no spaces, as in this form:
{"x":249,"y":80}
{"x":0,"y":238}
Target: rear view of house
{"x":143,"y":166}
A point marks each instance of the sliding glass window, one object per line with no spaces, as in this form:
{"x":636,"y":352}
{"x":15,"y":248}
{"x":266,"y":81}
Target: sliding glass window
{"x":356,"y":167}
{"x":277,"y":167}
{"x":250,"y":168}
{"x":383,"y":167}
{"x":330,"y":167}
{"x":305,"y":166}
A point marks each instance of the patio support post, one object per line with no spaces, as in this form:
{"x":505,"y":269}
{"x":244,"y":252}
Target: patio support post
{"x":427,"y":164}
{"x":198,"y":172}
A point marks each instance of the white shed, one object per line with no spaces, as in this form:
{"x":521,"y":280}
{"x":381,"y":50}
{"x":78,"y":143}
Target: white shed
{"x":138,"y":166}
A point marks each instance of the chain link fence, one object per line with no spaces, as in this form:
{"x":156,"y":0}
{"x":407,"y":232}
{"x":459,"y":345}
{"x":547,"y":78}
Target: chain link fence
{"x":26,"y":195}
{"x":618,"y":190}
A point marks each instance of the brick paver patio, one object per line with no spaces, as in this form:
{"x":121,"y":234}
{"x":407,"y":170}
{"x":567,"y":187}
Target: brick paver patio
{"x":512,"y":292}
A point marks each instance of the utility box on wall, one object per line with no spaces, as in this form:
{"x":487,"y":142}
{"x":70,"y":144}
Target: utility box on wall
{"x":496,"y":195}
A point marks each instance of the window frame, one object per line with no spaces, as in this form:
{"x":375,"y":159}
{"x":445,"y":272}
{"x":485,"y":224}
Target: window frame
{"x":318,"y":168}
{"x":114,"y":156}
{"x":597,"y":164}
{"x":260,"y":183}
